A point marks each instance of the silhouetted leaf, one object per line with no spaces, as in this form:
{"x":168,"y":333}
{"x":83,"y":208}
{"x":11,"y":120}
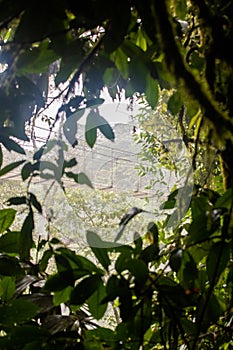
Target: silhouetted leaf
{"x":28,"y":169}
{"x":176,"y":259}
{"x":17,"y":200}
{"x":9,"y":266}
{"x":26,"y":240}
{"x":10,"y":167}
{"x":95,"y":306}
{"x":9,"y":242}
{"x":55,"y":283}
{"x":80,"y":178}
{"x":100,"y":252}
{"x":84,"y":289}
{"x":11,"y":145}
{"x":35,"y":202}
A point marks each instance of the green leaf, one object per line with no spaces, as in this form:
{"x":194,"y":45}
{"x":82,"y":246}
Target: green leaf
{"x":9,"y":242}
{"x":171,"y":201}
{"x":28,"y":169}
{"x":64,"y":269}
{"x":138,"y":269}
{"x":62,"y":296}
{"x":37,"y":59}
{"x":79,"y":261}
{"x":7,"y":288}
{"x":120,"y":60}
{"x":84,"y":289}
{"x":9,"y":266}
{"x":55,"y":283}
{"x":152,"y":91}
{"x":225,"y":201}
{"x":10,"y":167}
{"x":80,"y":178}
{"x":217,"y":260}
{"x":138,"y":73}
{"x":26,"y":240}
{"x":214,"y":308}
{"x":112,"y":288}
{"x":25,"y":334}
{"x":141,"y":40}
{"x":100,"y":338}
{"x":181,"y":9}
{"x":17,"y":311}
{"x":91,"y":129}
{"x":175,"y":103}
{"x":198,"y":229}
{"x":96,"y":308}
{"x":7,"y":217}
{"x":45,"y":260}
{"x":96,"y":246}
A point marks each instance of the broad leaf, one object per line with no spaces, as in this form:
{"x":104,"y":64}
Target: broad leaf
{"x":152,"y":91}
{"x":17,"y":200}
{"x":16,"y":312}
{"x":176,"y":259}
{"x":96,"y":246}
{"x":11,"y":145}
{"x":55,"y":283}
{"x":7,"y":217}
{"x":10,"y":167}
{"x":26,"y":240}
{"x":26,"y":334}
{"x":84,"y":289}
{"x":9,"y":242}
{"x":91,"y":129}
{"x":7,"y":288}
{"x":175,"y":103}
{"x":9,"y":266}
{"x":79,"y":178}
{"x":35,"y":202}
{"x":95,"y":306}
{"x":217,"y":260}
{"x":62,"y":296}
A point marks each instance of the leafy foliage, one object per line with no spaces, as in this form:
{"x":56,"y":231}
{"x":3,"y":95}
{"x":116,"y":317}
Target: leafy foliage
{"x":170,"y":289}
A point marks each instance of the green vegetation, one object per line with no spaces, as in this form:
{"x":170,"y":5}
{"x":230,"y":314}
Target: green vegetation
{"x":171,"y":287}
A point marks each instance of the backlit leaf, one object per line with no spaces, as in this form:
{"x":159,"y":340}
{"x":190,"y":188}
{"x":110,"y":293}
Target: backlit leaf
{"x":7,"y":217}
{"x":152,"y":91}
